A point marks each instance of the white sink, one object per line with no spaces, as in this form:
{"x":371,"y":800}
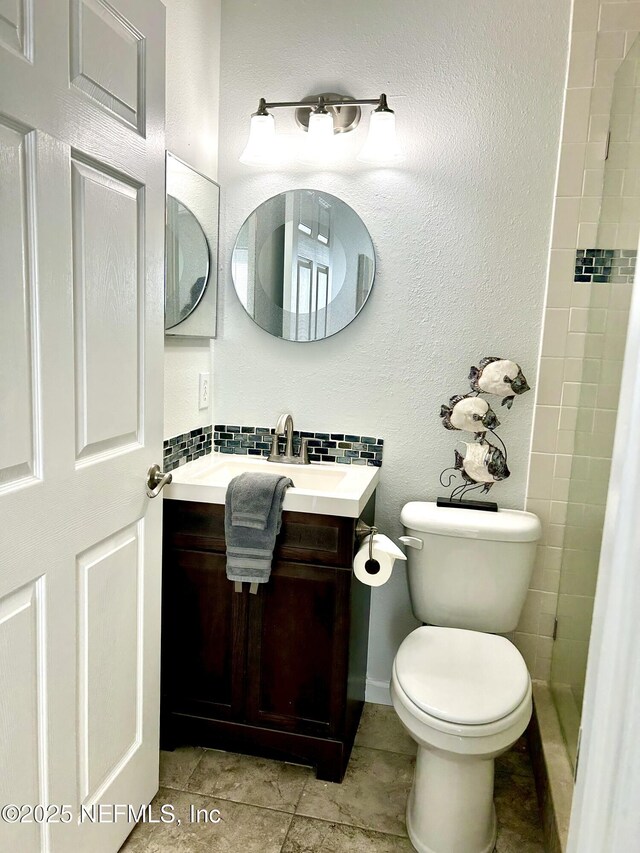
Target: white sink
{"x":321,"y":487}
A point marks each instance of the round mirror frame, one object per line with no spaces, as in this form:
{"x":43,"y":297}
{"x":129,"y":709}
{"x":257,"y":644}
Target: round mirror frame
{"x":371,"y":257}
{"x":171,"y":198}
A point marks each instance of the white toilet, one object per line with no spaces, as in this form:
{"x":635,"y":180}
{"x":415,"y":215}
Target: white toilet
{"x":462,"y":693}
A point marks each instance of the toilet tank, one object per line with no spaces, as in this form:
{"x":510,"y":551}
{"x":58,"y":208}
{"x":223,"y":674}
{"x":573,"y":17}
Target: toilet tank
{"x":474,"y":567}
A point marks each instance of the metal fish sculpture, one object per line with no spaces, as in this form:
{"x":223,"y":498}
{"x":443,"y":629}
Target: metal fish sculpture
{"x":498,"y":376}
{"x":469,"y":413}
{"x":482,"y":463}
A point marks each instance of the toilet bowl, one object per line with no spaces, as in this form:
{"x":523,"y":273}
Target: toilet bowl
{"x":461,"y":690}
{"x":465,"y":698}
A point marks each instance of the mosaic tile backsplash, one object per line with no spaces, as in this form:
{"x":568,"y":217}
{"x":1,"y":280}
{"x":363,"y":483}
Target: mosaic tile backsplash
{"x":323,"y":446}
{"x":606,"y":266}
{"x":183,"y":448}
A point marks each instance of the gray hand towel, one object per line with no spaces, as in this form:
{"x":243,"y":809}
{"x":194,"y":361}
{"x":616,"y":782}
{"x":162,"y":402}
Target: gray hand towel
{"x":250,"y":548}
{"x":252,"y":499}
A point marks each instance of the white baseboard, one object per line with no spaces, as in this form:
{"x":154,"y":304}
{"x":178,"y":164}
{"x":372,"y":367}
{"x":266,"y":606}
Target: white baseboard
{"x":377,"y":692}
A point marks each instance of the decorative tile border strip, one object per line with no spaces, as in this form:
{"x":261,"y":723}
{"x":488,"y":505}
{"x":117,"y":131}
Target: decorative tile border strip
{"x":615,"y":266}
{"x":323,"y":446}
{"x":183,"y":448}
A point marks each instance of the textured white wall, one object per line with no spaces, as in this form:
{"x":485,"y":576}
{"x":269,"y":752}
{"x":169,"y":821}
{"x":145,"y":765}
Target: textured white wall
{"x":184,"y":360}
{"x":193,"y":71}
{"x":461,"y":229}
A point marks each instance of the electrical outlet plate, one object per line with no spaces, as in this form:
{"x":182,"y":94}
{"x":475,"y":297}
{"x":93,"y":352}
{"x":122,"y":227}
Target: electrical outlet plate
{"x":204,"y":388}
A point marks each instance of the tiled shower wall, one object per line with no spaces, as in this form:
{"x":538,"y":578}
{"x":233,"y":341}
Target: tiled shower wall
{"x":581,"y":339}
{"x":606,"y":325}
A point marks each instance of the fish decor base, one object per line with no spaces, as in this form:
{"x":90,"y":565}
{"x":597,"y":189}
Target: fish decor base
{"x":485,"y":459}
{"x":485,"y":506}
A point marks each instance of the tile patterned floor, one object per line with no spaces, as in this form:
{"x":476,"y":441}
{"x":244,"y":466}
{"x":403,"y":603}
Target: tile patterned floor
{"x":271,"y":807}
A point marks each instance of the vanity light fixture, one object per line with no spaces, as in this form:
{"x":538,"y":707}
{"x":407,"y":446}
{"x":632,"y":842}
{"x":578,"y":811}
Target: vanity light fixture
{"x":261,"y":149}
{"x":381,"y":145}
{"x":322,"y":116}
{"x":316,"y":148}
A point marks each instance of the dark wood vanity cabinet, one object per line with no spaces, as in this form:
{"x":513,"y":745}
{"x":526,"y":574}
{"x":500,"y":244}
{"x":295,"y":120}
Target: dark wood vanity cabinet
{"x":280,"y":673}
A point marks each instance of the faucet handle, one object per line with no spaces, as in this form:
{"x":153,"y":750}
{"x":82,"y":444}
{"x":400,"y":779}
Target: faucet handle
{"x":274,"y":456}
{"x":304,"y":451}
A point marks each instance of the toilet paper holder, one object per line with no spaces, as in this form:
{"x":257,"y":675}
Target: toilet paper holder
{"x":362,"y":531}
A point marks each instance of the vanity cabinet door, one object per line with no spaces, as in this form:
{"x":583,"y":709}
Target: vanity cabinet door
{"x":298,"y":649}
{"x":204,"y":637}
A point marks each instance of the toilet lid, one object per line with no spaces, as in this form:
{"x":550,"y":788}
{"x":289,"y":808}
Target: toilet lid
{"x":461,"y":676}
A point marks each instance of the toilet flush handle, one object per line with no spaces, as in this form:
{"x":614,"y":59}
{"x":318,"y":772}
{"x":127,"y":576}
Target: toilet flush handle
{"x":412,"y":542}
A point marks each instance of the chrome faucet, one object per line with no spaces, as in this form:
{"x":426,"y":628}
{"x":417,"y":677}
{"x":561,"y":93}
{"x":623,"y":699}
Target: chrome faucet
{"x":285,"y":427}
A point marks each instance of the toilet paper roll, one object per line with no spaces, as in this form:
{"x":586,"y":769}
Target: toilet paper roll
{"x":376,"y":570}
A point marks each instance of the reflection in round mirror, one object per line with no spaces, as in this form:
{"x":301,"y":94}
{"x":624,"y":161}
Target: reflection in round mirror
{"x":187,"y":263}
{"x":303,"y":265}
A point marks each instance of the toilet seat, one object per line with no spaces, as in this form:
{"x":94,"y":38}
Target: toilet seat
{"x":461,"y":678}
{"x":451,"y":802}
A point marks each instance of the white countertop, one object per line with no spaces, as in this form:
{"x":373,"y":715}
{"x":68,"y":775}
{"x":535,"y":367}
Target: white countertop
{"x":322,"y":488}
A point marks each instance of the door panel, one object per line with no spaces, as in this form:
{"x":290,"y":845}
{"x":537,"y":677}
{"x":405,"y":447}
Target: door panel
{"x":110,"y":639}
{"x":106,"y":299}
{"x":205,"y":636}
{"x":294,"y":653}
{"x":17,"y":386}
{"x":107,"y":55}
{"x":21,"y":768}
{"x":15,"y":26}
{"x":81,"y":279}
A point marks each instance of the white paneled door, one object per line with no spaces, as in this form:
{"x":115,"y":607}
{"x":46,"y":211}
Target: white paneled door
{"x":81,"y":360}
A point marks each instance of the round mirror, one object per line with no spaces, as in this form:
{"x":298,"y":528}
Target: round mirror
{"x":187,"y":263}
{"x":303,"y":265}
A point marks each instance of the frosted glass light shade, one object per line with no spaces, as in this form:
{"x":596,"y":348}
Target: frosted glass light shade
{"x":317,"y":147}
{"x":381,"y":146}
{"x":261,"y":148}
